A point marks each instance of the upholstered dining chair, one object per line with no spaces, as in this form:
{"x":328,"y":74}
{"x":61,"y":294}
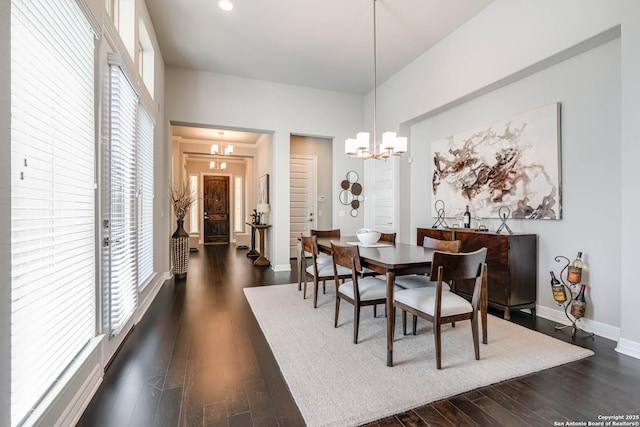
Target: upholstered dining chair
{"x":421,"y":280}
{"x":388,"y":237}
{"x":440,"y":306}
{"x":318,"y":270}
{"x":360,"y":291}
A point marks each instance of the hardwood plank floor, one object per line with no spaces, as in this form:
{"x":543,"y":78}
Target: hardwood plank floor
{"x":199,"y":358}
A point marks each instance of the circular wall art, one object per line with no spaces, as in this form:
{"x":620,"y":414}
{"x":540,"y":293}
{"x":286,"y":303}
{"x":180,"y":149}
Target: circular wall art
{"x":351,"y":193}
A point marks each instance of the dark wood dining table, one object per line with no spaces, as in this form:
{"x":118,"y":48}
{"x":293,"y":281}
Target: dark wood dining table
{"x":390,"y":260}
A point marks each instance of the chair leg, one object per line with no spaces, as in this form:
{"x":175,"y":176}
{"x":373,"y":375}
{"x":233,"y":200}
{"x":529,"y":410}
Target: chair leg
{"x":415,"y":323}
{"x":404,"y":322}
{"x":335,"y":322}
{"x":453,"y":324}
{"x":436,"y":332}
{"x":324,"y":286}
{"x":356,"y":322}
{"x":304,"y":293}
{"x":474,"y":331}
{"x":315,"y":292}
{"x":375,"y":310}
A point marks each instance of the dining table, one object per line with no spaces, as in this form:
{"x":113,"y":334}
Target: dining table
{"x":391,"y":260}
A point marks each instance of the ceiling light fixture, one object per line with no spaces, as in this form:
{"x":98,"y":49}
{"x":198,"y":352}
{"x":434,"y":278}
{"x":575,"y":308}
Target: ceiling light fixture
{"x":225,"y":5}
{"x":220,"y":150}
{"x":391,"y":145}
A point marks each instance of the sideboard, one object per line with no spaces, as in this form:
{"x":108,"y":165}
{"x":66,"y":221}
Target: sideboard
{"x":512,"y":263}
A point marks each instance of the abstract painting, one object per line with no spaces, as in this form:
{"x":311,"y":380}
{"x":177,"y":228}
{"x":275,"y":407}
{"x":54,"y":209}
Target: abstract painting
{"x":513,"y":162}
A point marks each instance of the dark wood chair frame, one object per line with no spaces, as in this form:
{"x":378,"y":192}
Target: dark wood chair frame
{"x":310,"y":244}
{"x":349,"y":257}
{"x":451,"y":267}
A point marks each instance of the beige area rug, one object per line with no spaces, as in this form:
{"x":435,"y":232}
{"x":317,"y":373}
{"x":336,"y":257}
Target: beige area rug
{"x":337,"y":383}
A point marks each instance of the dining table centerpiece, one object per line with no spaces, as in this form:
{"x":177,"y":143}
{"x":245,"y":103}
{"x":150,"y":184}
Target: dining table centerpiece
{"x":181,"y":199}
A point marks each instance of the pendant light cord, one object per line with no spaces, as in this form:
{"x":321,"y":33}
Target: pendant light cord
{"x":375,"y":78}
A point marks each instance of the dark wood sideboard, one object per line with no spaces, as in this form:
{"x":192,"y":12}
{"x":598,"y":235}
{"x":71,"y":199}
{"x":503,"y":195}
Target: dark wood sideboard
{"x":512,"y":263}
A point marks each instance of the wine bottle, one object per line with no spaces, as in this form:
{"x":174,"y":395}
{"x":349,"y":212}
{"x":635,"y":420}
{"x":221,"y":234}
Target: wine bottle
{"x":467,"y":218}
{"x":559,"y":293}
{"x":579,"y":303}
{"x":574,"y":274}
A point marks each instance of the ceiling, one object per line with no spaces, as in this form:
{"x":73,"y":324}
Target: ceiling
{"x":325,"y":44}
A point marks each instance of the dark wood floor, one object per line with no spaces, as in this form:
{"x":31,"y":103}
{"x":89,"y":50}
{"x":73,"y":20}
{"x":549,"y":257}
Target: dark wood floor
{"x":198,"y":358}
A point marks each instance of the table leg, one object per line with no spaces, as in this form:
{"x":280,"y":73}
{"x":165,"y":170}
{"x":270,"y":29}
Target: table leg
{"x":391,"y":278}
{"x":252,"y":251}
{"x":261,"y":260}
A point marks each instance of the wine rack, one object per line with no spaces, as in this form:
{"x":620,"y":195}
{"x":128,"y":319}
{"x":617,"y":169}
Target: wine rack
{"x":576,"y":308}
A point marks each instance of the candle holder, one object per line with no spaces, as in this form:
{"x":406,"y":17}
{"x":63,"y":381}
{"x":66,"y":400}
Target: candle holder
{"x":577,"y":308}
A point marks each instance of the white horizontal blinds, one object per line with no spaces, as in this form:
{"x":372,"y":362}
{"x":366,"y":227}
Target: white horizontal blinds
{"x":52,"y":195}
{"x":145,"y":196}
{"x":123,"y":226}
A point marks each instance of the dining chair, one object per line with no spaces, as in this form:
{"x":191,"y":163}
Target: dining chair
{"x":440,"y":306}
{"x":318,"y":270}
{"x":360,"y":291}
{"x":388,"y":237}
{"x":421,"y":280}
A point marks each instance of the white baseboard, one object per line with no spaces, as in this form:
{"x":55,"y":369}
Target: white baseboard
{"x":601,"y":329}
{"x":81,"y":400}
{"x":154,"y":288}
{"x":281,"y":267}
{"x":628,"y":347}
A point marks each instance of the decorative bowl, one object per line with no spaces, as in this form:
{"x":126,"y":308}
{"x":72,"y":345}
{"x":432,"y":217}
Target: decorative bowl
{"x":367,"y":236}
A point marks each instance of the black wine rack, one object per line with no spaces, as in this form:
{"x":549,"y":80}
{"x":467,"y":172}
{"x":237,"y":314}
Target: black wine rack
{"x":569,"y":301}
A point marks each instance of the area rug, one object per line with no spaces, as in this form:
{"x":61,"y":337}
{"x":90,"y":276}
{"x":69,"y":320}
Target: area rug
{"x":337,"y":383}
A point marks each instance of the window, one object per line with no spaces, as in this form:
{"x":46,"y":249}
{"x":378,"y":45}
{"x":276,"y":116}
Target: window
{"x":194,"y":210}
{"x":238,"y":214}
{"x":122,"y":275}
{"x":146,"y":58}
{"x":52,"y":195}
{"x":145,"y":197}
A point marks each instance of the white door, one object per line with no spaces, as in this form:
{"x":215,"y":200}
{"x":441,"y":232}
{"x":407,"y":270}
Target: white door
{"x":382,"y":201}
{"x":302,"y":198}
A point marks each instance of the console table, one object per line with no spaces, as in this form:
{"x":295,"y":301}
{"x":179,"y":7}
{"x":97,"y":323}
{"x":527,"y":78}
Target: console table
{"x":512,"y":265}
{"x":261,"y":260}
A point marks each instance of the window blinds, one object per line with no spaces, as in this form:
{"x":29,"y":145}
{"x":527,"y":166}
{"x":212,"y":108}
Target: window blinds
{"x":123,"y":291}
{"x":52,"y":195}
{"x":145,"y":197}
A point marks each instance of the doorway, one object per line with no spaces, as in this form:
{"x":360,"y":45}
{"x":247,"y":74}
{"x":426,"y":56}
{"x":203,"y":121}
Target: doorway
{"x":216,"y":209}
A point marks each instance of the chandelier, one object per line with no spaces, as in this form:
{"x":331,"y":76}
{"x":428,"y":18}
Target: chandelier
{"x":391,"y":145}
{"x":216,"y":150}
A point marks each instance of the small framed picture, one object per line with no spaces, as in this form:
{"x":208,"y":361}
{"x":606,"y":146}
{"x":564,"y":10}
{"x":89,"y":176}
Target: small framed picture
{"x":263,"y":189}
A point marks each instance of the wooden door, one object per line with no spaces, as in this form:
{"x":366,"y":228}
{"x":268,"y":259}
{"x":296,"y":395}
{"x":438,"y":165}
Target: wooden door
{"x":216,"y":210}
{"x":302,"y":198}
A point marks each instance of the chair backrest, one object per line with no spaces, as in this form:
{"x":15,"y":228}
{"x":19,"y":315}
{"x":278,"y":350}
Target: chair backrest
{"x":310,"y":244}
{"x":452,"y":246}
{"x":458,"y":266}
{"x":326,"y":233}
{"x":347,"y":256}
{"x":388,"y":237}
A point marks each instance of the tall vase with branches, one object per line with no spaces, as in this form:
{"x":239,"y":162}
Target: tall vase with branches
{"x":182,"y":198}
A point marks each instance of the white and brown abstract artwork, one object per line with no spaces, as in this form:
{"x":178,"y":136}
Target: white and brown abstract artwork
{"x":513,"y":162}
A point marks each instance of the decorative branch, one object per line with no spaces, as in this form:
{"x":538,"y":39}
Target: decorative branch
{"x":181,"y":198}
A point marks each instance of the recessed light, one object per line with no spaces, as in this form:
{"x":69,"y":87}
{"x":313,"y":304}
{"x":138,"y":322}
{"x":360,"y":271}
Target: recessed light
{"x":225,"y":5}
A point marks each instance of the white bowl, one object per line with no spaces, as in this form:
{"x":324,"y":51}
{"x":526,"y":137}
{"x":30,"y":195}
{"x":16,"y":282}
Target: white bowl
{"x":368,"y":237}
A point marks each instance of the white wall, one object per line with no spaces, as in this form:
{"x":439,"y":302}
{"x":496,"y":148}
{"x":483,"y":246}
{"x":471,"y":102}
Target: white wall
{"x":588,"y":88}
{"x":630,"y":293}
{"x":282,"y":110}
{"x":507,"y":42}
